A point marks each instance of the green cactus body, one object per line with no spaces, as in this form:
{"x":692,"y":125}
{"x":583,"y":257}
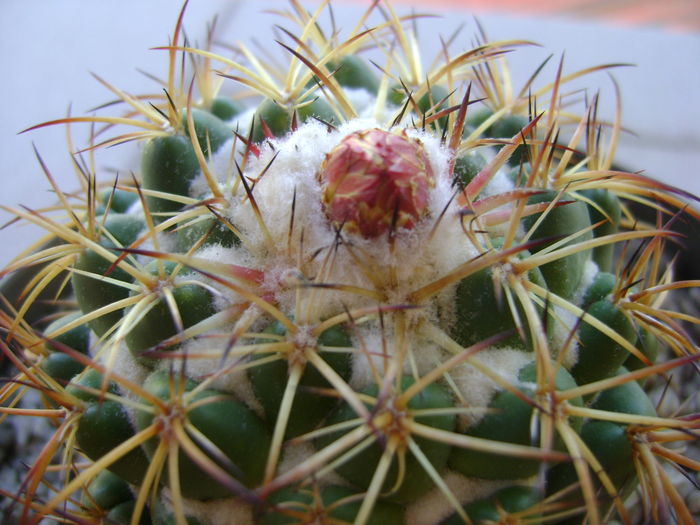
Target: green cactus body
{"x":336,"y":503}
{"x":467,"y":167}
{"x":505,"y":127}
{"x":601,"y":287}
{"x":91,"y":291}
{"x":510,"y":421}
{"x":122,"y":514}
{"x":226,"y":108}
{"x":355,"y":312}
{"x":60,"y":365}
{"x":226,"y":423}
{"x":512,"y":499}
{"x":278,"y":118}
{"x":606,"y":207}
{"x":169,"y":163}
{"x":115,"y":200}
{"x":309,"y":409}
{"x":563,"y":275}
{"x":478,"y":299}
{"x":103,"y":426}
{"x":599,"y":355}
{"x":353,"y":72}
{"x":157,"y":324}
{"x":611,"y":442}
{"x":107,"y":491}
{"x":211,"y":230}
{"x":415,"y":481}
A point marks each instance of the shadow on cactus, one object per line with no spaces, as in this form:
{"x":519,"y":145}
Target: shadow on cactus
{"x":354,"y":290}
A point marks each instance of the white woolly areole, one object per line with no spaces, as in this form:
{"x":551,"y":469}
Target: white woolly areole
{"x":434,"y":507}
{"x":375,"y":350}
{"x":590,"y":270}
{"x":121,"y":363}
{"x":477,"y":388}
{"x":288,"y":170}
{"x":295,"y":454}
{"x":565,"y":321}
{"x":227,"y":511}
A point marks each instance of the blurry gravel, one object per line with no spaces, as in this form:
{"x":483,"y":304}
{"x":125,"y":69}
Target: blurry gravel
{"x":21,"y":441}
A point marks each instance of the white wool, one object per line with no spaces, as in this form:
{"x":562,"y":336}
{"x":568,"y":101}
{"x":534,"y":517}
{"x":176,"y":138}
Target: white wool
{"x":297,"y":453}
{"x":121,"y":362}
{"x":419,"y":255}
{"x":227,"y":511}
{"x":373,"y":352}
{"x":565,"y":321}
{"x":226,"y":295}
{"x":241,"y":122}
{"x":362,"y":101}
{"x":478,"y":389}
{"x":207,"y":357}
{"x":590,"y":270}
{"x":434,"y":507}
{"x":561,"y":339}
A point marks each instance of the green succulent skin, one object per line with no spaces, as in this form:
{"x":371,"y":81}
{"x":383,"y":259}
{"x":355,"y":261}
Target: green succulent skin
{"x":416,"y":481}
{"x":104,"y":426}
{"x":599,"y":355}
{"x":226,"y":108}
{"x":309,"y":409}
{"x":122,"y":514}
{"x":602,"y":286}
{"x":353,"y":72}
{"x":286,"y":505}
{"x":509,"y":422}
{"x":227,"y":423}
{"x":114,"y":200}
{"x":278,"y":118}
{"x":606,"y":207}
{"x":59,"y":365}
{"x":194,"y":304}
{"x":90,"y":386}
{"x":93,"y":293}
{"x":169,"y":163}
{"x":467,"y":167}
{"x":477,"y":303}
{"x":609,"y":441}
{"x":505,"y":127}
{"x":107,"y":491}
{"x":77,"y":338}
{"x":510,"y":499}
{"x":209,"y":231}
{"x":563,"y":276}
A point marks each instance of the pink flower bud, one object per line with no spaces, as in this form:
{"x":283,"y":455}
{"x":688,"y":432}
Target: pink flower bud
{"x":374,"y":179}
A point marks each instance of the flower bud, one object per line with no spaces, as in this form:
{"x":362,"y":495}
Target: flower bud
{"x":375,"y":180}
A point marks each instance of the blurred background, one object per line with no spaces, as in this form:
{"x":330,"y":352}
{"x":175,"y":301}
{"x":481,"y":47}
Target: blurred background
{"x":49,"y":49}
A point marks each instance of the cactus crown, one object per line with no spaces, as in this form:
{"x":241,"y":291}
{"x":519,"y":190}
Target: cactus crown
{"x":383,"y":293}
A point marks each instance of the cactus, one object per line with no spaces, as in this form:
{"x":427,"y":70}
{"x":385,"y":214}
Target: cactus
{"x":352,"y":292}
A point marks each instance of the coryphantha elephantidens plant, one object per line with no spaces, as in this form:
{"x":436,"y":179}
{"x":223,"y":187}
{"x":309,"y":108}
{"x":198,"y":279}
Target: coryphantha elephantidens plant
{"x":358,"y":290}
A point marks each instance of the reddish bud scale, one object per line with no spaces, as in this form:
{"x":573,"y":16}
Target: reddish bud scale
{"x":376,"y":179}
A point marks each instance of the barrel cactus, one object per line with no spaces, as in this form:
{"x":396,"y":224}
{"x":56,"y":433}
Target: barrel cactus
{"x":355,"y":289}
